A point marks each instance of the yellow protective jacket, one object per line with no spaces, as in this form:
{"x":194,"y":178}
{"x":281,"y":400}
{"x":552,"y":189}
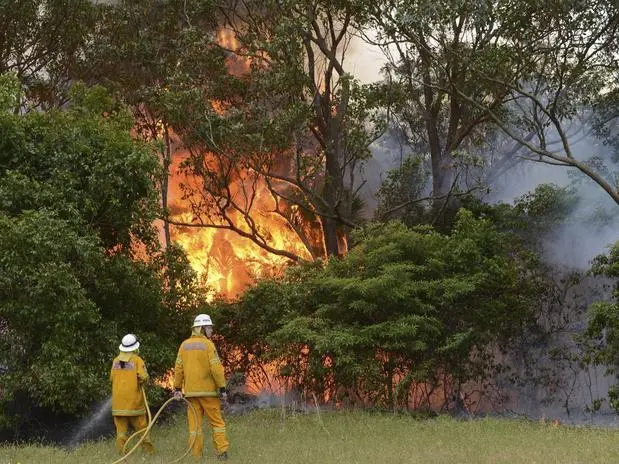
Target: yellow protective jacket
{"x":198,"y":370}
{"x":127,"y":399}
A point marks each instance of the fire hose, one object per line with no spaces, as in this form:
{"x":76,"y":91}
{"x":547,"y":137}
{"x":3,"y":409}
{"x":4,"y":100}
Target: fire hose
{"x":151,"y":421}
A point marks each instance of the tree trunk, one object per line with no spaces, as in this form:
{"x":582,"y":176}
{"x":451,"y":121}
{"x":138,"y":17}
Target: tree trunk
{"x":332,"y":189}
{"x":441,"y":163}
{"x":329,"y":227}
{"x":165,"y":177}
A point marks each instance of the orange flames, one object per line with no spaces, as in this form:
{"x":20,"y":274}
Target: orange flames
{"x":225,"y":261}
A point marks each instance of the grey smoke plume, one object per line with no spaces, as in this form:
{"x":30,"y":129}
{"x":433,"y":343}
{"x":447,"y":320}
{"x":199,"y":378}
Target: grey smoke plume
{"x":553,"y":386}
{"x":593,"y":224}
{"x":557,"y":386}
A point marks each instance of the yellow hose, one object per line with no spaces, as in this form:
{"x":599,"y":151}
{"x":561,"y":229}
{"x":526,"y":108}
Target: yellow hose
{"x":151,"y":422}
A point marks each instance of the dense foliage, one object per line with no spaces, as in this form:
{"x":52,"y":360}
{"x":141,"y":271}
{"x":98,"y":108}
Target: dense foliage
{"x":408,"y":316}
{"x":77,"y":205}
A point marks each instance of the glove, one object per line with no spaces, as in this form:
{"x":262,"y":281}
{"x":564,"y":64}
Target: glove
{"x":178,"y":395}
{"x":223,"y":394}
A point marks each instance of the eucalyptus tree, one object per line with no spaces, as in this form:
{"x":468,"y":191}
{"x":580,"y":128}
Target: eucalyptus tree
{"x":462,"y":70}
{"x":570,"y":48}
{"x":431,"y":47}
{"x":300,"y":126}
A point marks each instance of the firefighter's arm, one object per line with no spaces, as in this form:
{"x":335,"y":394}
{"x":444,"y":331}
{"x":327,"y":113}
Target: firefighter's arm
{"x":142,"y":373}
{"x":217,"y":369}
{"x":179,"y":371}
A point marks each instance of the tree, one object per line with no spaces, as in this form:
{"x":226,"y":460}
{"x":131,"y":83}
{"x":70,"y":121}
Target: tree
{"x":297,"y":128}
{"x":569,"y":63}
{"x":400,"y":193}
{"x":430,"y":48}
{"x":458,"y":71}
{"x":601,"y":337}
{"x":80,"y":264}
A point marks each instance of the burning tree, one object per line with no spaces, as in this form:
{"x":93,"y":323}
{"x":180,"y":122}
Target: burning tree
{"x":296,"y":130}
{"x":408,"y":318}
{"x":262,"y":132}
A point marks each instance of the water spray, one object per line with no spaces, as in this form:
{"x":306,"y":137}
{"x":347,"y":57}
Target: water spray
{"x":101,"y":412}
{"x":151,"y":422}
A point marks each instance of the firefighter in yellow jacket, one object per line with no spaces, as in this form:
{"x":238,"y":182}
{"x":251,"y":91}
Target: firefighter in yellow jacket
{"x":200,"y":376}
{"x":128,"y":408}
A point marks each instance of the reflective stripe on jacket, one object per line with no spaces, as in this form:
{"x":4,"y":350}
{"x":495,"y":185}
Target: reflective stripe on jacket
{"x":198,"y":370}
{"x":127,"y":397}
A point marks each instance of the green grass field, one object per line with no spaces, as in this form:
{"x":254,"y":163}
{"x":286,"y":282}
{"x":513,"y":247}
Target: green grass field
{"x":283,"y":437}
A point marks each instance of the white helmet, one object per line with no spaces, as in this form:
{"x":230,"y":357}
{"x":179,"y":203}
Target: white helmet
{"x":201,"y":320}
{"x":129,"y":343}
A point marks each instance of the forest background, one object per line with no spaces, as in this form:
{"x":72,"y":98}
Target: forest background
{"x":402,"y":280}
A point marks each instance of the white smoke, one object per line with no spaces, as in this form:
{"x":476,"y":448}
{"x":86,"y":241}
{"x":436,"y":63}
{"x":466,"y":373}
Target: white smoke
{"x":589,"y":230}
{"x":364,"y":61}
{"x":593,"y":225}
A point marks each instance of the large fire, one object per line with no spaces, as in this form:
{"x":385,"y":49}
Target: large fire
{"x":225,"y":261}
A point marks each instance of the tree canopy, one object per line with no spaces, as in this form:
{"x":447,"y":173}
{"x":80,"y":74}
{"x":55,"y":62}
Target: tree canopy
{"x":80,"y":264}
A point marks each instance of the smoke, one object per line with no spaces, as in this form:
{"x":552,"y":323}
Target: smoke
{"x":365,"y":62}
{"x":591,"y":228}
{"x":387,"y":153}
{"x":556,"y":385}
{"x":593,"y":223}
{"x":553,"y":383}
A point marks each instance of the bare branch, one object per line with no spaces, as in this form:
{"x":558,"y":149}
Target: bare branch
{"x":431,"y":198}
{"x":544,"y":154}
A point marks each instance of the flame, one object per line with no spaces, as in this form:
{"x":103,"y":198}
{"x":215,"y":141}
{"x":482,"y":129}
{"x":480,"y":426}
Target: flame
{"x":236,"y":63}
{"x":225,"y":261}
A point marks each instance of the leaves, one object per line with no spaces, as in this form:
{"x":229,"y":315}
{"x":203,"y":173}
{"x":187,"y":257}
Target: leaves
{"x":403,"y":304}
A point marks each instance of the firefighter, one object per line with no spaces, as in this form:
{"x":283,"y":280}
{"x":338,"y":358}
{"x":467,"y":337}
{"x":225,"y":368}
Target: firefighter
{"x":128,"y":375}
{"x":199,"y":375}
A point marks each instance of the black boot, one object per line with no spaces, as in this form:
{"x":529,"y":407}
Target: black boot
{"x":223,"y":456}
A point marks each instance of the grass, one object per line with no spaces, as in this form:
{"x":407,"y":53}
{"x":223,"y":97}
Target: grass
{"x":283,"y":437}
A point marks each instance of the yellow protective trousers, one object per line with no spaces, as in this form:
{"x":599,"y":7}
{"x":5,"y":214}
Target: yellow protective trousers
{"x":211,"y":407}
{"x":122,"y":431}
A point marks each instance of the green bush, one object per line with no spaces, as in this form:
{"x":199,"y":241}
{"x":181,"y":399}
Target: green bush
{"x":405,"y":307}
{"x":80,"y":263}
